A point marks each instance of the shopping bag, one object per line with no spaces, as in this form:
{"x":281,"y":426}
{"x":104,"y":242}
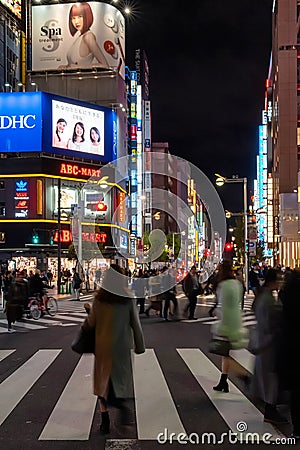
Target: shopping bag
{"x":219,"y":345}
{"x":85,"y":340}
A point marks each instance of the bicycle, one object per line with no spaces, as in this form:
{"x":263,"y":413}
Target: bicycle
{"x":38,"y":307}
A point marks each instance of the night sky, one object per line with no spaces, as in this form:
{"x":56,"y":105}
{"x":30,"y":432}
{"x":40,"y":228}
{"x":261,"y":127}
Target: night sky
{"x":208,"y":61}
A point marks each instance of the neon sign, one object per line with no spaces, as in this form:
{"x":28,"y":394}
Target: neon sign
{"x":74,"y":169}
{"x":66,"y":236}
{"x":21,"y":186}
{"x":21,"y":199}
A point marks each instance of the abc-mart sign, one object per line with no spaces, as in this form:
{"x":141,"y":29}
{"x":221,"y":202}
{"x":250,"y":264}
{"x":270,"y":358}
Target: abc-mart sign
{"x":27,"y":124}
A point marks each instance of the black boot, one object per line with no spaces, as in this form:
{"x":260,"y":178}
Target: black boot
{"x":223,"y":385}
{"x":104,"y":427}
{"x":272,"y":415}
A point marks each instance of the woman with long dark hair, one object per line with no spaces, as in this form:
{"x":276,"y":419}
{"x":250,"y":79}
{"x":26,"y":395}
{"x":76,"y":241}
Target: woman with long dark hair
{"x":114,"y":315}
{"x":59,"y":140}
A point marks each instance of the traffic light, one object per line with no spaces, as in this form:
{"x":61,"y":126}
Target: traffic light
{"x":228,"y":246}
{"x":35,"y":238}
{"x":99,"y":206}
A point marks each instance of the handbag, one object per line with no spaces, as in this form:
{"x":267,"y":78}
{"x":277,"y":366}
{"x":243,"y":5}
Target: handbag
{"x":219,"y":345}
{"x":254,"y":344}
{"x":85,"y":340}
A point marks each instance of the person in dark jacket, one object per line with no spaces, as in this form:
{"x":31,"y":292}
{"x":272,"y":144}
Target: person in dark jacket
{"x":254,"y":279}
{"x":16,"y":300}
{"x":36,"y":285}
{"x":191,"y":289}
{"x":265,"y":380}
{"x":139,"y":286}
{"x":169,"y":285}
{"x":289,"y":371}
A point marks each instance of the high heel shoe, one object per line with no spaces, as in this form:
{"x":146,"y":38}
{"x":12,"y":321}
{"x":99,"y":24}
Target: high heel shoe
{"x":223,"y":385}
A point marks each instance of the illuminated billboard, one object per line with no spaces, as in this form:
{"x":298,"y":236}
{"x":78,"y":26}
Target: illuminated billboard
{"x":78,"y":36}
{"x":15,"y":6}
{"x":77,"y":128}
{"x":40,"y":122}
{"x":20,"y":122}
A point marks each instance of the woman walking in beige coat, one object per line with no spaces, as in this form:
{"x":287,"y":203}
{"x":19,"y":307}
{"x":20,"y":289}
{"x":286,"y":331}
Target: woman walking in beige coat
{"x":114,"y":315}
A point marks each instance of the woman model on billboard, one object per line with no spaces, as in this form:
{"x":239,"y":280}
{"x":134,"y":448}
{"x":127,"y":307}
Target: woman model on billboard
{"x":95,"y":140}
{"x":77,"y":142}
{"x":58,"y":138}
{"x":85,"y":47}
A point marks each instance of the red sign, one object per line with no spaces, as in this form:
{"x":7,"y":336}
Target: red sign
{"x":75,"y":170}
{"x":21,"y":204}
{"x":66,"y":236}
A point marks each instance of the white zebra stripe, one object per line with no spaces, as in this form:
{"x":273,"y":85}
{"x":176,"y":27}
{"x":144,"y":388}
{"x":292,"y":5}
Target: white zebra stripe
{"x":14,"y":388}
{"x":154,"y":404}
{"x":72,"y":417}
{"x":233,"y":406}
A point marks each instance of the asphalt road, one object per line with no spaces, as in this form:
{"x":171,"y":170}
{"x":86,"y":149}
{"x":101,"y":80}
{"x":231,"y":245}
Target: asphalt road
{"x":46,"y":400}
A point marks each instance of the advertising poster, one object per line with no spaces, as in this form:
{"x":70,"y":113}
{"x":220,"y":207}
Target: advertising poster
{"x":78,"y":128}
{"x":78,"y":36}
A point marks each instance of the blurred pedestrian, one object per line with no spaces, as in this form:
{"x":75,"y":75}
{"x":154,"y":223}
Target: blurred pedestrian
{"x":265,"y":381}
{"x":139,"y":286}
{"x":114,"y":316}
{"x":254,"y":279}
{"x":76,"y":283}
{"x":16,"y":299}
{"x":229,"y":294}
{"x":169,"y":286}
{"x":289,"y":372}
{"x":191,"y":289}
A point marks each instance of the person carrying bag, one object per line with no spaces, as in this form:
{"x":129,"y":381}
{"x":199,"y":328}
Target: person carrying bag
{"x":117,"y":328}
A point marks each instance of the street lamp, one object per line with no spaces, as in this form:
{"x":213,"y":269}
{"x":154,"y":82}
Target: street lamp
{"x":235,"y":179}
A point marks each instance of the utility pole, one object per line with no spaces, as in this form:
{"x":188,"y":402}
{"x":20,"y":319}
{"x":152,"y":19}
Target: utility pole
{"x":58,"y":238}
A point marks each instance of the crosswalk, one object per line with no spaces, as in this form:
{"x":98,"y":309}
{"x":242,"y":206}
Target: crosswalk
{"x":71,"y":313}
{"x":71,"y":413}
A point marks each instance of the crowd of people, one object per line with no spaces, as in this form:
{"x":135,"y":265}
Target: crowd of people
{"x":17,"y":287}
{"x":115,"y":316}
{"x":273,"y":341}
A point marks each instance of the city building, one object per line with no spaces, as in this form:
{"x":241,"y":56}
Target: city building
{"x":67,"y":91}
{"x":281,"y":122}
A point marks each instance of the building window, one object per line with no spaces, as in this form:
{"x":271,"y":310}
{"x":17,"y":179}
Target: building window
{"x":2,"y":209}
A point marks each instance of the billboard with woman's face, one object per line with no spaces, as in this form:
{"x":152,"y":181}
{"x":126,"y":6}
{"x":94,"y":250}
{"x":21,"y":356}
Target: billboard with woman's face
{"x":78,"y":36}
{"x":78,"y":128}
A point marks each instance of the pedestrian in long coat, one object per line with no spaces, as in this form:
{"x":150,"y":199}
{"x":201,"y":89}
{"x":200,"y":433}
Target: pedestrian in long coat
{"x":265,"y":381}
{"x":115,"y":318}
{"x":289,"y":371}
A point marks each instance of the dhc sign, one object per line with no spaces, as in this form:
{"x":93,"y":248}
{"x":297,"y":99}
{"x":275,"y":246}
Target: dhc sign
{"x":17,"y":121}
{"x":28,"y":123}
{"x":21,"y":122}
